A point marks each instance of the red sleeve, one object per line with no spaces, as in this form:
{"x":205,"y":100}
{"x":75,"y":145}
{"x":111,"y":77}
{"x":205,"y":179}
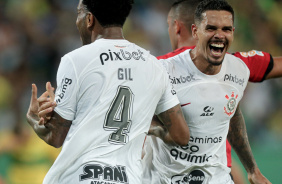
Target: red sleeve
{"x":259,"y":63}
{"x":228,"y":154}
{"x":175,"y":52}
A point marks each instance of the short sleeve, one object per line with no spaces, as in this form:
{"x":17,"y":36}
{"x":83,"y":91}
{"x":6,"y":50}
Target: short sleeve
{"x":259,"y":63}
{"x":169,"y":98}
{"x":66,"y":92}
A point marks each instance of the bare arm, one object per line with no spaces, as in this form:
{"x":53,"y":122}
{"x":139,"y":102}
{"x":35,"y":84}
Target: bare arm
{"x":52,"y":130}
{"x":237,"y":137}
{"x":277,"y":68}
{"x":158,"y":129}
{"x":173,"y":128}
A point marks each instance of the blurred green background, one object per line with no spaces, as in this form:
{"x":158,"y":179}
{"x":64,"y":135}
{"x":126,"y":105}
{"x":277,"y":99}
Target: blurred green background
{"x":35,"y":34}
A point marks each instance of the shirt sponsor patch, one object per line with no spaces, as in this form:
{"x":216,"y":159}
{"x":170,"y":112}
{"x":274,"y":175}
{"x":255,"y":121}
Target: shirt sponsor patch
{"x":251,"y":53}
{"x":194,"y":177}
{"x":66,"y":82}
{"x":234,"y":78}
{"x":182,"y":79}
{"x":97,"y":173}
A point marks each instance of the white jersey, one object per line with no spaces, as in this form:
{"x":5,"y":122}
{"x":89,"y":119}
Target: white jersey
{"x":110,"y":90}
{"x":208,"y":103}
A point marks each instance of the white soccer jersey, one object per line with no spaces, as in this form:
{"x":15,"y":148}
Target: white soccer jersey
{"x":110,"y":90}
{"x":208,"y":103}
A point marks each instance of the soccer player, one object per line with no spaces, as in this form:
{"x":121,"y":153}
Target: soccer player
{"x":180,"y":19}
{"x":261,"y":64}
{"x":107,"y":92}
{"x":204,"y":73}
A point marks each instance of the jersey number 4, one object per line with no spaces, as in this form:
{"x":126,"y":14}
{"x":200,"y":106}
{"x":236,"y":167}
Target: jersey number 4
{"x":118,"y":117}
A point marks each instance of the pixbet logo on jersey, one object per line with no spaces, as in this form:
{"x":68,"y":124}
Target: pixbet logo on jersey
{"x":231,"y":104}
{"x":234,"y":79}
{"x":181,"y":79}
{"x":120,"y":56}
{"x":104,"y":174}
{"x":195,"y":177}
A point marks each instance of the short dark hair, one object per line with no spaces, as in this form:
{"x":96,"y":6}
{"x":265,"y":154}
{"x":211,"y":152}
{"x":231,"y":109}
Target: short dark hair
{"x":184,"y":10}
{"x":211,"y":5}
{"x":109,"y":13}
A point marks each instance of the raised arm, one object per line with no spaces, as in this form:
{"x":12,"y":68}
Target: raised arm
{"x":237,"y":137}
{"x":53,"y":128}
{"x":277,"y":68}
{"x":171,"y":127}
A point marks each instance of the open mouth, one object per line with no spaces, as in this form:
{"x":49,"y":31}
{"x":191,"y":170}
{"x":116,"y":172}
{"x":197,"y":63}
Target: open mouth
{"x":217,"y":49}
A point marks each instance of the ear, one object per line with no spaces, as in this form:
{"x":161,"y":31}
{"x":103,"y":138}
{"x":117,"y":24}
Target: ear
{"x":90,"y":20}
{"x":177,"y":27}
{"x":194,"y":31}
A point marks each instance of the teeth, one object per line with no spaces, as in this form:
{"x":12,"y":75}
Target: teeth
{"x":218,"y":45}
{"x":216,"y":53}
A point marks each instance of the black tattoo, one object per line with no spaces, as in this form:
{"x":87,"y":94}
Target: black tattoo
{"x":58,"y":128}
{"x":165,"y":117}
{"x":237,"y":137}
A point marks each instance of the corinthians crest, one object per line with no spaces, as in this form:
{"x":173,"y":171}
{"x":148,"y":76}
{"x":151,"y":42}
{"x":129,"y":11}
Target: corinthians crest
{"x":231,"y":104}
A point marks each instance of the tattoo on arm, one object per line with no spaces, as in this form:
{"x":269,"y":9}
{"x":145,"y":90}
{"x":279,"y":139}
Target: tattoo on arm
{"x":57,"y":129}
{"x":159,"y":130}
{"x":165,"y":117}
{"x":237,"y":137}
{"x":174,"y":131}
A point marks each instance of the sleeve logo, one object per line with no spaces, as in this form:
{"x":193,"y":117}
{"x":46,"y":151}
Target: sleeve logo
{"x":251,"y":53}
{"x":63,"y":88}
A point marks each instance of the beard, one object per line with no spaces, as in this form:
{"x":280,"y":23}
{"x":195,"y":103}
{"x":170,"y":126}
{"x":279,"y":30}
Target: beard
{"x":85,"y":40}
{"x":215,"y":63}
{"x":85,"y":35}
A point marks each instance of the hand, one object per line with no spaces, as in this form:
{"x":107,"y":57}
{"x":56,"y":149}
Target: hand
{"x":46,"y":103}
{"x":257,"y":178}
{"x":157,"y":128}
{"x":32,"y":113}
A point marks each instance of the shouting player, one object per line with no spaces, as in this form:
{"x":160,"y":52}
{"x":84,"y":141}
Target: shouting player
{"x":210,"y":102}
{"x":262,"y":65}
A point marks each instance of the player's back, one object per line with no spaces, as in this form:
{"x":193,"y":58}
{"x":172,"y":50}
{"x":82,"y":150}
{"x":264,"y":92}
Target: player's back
{"x":109,"y":90}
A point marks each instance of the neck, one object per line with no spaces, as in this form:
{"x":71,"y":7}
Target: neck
{"x":202,"y":63}
{"x":187,"y":42}
{"x":108,"y":33}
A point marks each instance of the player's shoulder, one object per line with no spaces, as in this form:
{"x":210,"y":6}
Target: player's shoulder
{"x":79,"y":52}
{"x":176,"y":58}
{"x":237,"y":63}
{"x":235,"y":60}
{"x":254,"y":57}
{"x":175,"y":52}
